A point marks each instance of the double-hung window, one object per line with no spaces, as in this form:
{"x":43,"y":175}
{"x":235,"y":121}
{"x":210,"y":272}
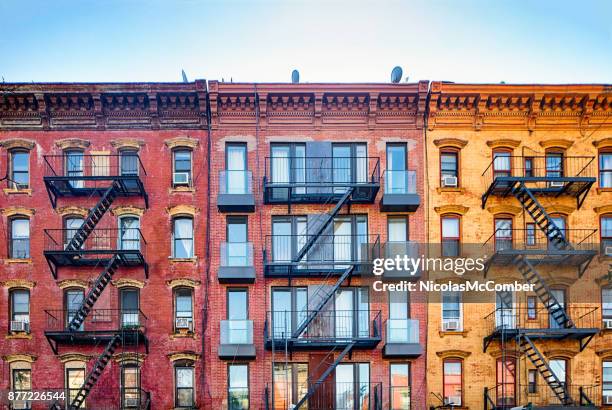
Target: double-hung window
{"x":182,"y":238}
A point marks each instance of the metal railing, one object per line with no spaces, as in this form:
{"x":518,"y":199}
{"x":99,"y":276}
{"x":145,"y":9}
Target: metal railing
{"x":97,"y":320}
{"x":533,"y":239}
{"x":539,"y":394}
{"x":400,"y":181}
{"x":540,"y":166}
{"x":328,"y":325}
{"x":236,"y":332}
{"x":235,"y":182}
{"x":402,"y":331}
{"x":538,"y":317}
{"x":81,"y":167}
{"x":337,"y":395}
{"x":100,"y":239}
{"x":236,"y":254}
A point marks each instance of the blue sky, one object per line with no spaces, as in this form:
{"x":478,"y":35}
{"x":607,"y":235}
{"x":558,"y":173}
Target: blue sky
{"x":516,"y":41}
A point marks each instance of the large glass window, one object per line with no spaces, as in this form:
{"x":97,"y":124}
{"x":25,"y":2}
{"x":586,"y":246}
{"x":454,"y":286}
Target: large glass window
{"x":605,"y":169}
{"x":400,"y":386}
{"x":19,"y":169}
{"x":451,"y":311}
{"x":182,"y":237}
{"x":451,"y":235}
{"x":238,"y":386}
{"x":289,"y":309}
{"x":237,"y":315}
{"x":453,"y":381}
{"x":235,"y":168}
{"x":184,"y":381}
{"x":396,"y":175}
{"x":181,"y":167}
{"x":352,"y":386}
{"x":237,"y":241}
{"x":19,"y":238}
{"x":349,"y":164}
{"x":288,"y":165}
{"x":399,"y":312}
{"x":290,"y":384}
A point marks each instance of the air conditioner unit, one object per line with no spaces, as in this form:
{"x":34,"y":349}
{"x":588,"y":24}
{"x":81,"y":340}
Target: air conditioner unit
{"x":19,"y":326}
{"x":452,"y":400}
{"x":607,"y":399}
{"x":556,"y":184}
{"x":21,"y":404}
{"x":181,"y":178}
{"x":450,"y":325}
{"x":449,"y":181}
{"x":184,"y":323}
{"x":131,"y":402}
{"x":607,"y":323}
{"x":608,"y":251}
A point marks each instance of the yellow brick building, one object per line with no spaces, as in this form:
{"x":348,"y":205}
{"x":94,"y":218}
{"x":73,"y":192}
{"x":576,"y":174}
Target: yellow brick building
{"x":523,"y":173}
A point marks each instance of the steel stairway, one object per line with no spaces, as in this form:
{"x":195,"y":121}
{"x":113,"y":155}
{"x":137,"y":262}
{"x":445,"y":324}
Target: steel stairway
{"x":95,"y":372}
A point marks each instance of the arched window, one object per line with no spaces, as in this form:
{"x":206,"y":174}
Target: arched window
{"x":129,"y":232}
{"x":451,"y":234}
{"x":452,"y":380}
{"x":184,"y":377}
{"x":503,"y":232}
{"x":182,"y":237}
{"x":19,"y":237}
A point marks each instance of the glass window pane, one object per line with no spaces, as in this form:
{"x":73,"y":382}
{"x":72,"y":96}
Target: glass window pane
{"x":184,"y":377}
{"x":22,"y":379}
{"x":237,"y":305}
{"x":450,"y":227}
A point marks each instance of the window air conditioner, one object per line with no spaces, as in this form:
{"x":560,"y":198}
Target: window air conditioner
{"x":556,"y":184}
{"x":18,"y":405}
{"x":450,"y":325}
{"x":181,"y":178}
{"x":607,"y":399}
{"x":608,"y":251}
{"x":131,"y":402}
{"x":19,"y":326}
{"x":452,"y":400}
{"x":449,"y":181}
{"x":607,"y":324}
{"x":184,"y":323}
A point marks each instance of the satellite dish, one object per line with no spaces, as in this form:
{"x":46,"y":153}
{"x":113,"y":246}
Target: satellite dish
{"x":295,"y":76}
{"x":396,"y":74}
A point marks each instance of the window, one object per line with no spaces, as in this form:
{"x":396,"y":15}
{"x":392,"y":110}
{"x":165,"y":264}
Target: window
{"x":560,"y":222}
{"x":130,"y":386}
{"x":349,"y":163}
{"x":75,"y":378}
{"x":73,"y":299}
{"x":532,"y":381}
{"x":289,"y":309}
{"x":607,"y":381}
{"x":606,"y":234}
{"x":129,"y":162}
{"x":529,"y":167}
{"x":19,"y":241}
{"x":290,"y":384}
{"x":19,"y":176}
{"x":20,"y":310}
{"x":451,"y":234}
{"x":184,"y":381}
{"x":71,"y":225}
{"x":449,"y":168}
{"x":606,"y":303}
{"x":183,"y":309}
{"x":397,"y":237}
{"x":22,"y":380}
{"x":505,"y":316}
{"x":288,"y":165}
{"x":182,"y":238}
{"x":400,"y":386}
{"x":236,"y":168}
{"x":237,"y":316}
{"x":237,"y":250}
{"x":503,"y":234}
{"x":502,"y":163}
{"x":399,"y":313}
{"x":74,"y":167}
{"x":396,"y":178}
{"x":238,"y":386}
{"x":559,"y":368}
{"x":506,"y":382}
{"x":605,"y":169}
{"x":453,"y":381}
{"x":451,"y":311}
{"x":129,"y":302}
{"x":530,"y":234}
{"x":181,"y":172}
{"x":554,"y":164}
{"x":129,"y":233}
{"x":352,"y":386}
{"x":532,"y":312}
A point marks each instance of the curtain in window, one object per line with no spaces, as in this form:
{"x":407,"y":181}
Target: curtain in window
{"x":183,"y":238}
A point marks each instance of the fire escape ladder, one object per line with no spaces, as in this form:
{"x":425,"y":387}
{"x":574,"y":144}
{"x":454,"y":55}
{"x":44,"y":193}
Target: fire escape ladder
{"x":95,"y":372}
{"x":94,"y":216}
{"x":312,"y":388}
{"x":531,"y":275}
{"x":94,"y":293}
{"x":541,"y":217}
{"x":323,"y":225}
{"x":536,"y":358}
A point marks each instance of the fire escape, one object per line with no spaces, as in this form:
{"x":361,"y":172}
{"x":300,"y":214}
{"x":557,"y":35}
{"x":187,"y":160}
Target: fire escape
{"x":518,"y":325}
{"x":105,"y":177}
{"x":311,"y":254}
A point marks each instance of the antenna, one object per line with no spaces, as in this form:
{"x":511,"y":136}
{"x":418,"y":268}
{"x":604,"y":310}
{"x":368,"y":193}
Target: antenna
{"x":396,"y":74}
{"x":295,"y":76}
{"x":185,"y":80}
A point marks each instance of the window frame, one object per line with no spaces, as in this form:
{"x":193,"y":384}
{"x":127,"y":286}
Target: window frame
{"x":229,"y":387}
{"x":506,"y":172}
{"x":460,"y":362}
{"x":11,"y":168}
{"x":190,"y":366}
{"x":456,"y":153}
{"x":603,"y":315}
{"x":499,"y":382}
{"x":391,"y":386}
{"x":175,"y":239}
{"x":603,"y":382}
{"x":12,"y":312}
{"x":175,"y":294}
{"x":600,"y":171}
{"x":460,"y":318}
{"x":532,"y":386}
{"x":190,"y":172}
{"x":552,"y":153}
{"x":11,"y":245}
{"x":528,"y":172}
{"x":531,"y":316}
{"x":529,"y":227}
{"x":455,"y":239}
{"x":503,"y":217}
{"x":602,"y":238}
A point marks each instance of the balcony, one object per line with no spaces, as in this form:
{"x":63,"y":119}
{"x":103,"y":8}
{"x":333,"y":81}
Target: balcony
{"x":505,"y":244}
{"x":329,"y":329}
{"x":540,"y":396}
{"x":340,"y":395}
{"x":320,"y":180}
{"x":400,"y":192}
{"x":236,"y":191}
{"x":331,"y":254}
{"x":80,"y":175}
{"x":402,"y":338}
{"x":100,"y":246}
{"x":544,"y":175}
{"x":395,"y":249}
{"x":537,"y":323}
{"x":236,"y":264}
{"x":100,"y":326}
{"x":236,"y":340}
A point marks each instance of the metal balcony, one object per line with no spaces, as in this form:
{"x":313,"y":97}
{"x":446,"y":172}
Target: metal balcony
{"x":236,"y":263}
{"x":551,"y":176}
{"x":505,"y":244}
{"x":99,"y":247}
{"x":332,"y":395}
{"x":88,"y":175}
{"x":540,"y":396}
{"x":402,"y":338}
{"x":400,"y":193}
{"x":98,"y":399}
{"x":537,"y":323}
{"x":319,"y":180}
{"x":236,"y":191}
{"x":100,"y":326}
{"x":236,"y":340}
{"x":331,"y":254}
{"x":329,"y":329}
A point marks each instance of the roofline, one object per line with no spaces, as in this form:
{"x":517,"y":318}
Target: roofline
{"x":472,"y":88}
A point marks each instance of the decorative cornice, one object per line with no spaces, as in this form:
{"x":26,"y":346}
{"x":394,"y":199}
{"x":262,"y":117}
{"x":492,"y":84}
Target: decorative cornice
{"x":603,"y":209}
{"x":505,"y":209}
{"x":450,"y":142}
{"x":129,"y":358}
{"x":74,"y":357}
{"x":182,"y":210}
{"x":17,"y":210}
{"x":11,"y":358}
{"x":73,"y":210}
{"x":18,"y":283}
{"x":127,"y":210}
{"x":183,"y":282}
{"x":603,"y":143}
{"x":604,"y":352}
{"x":128,"y":283}
{"x":560,"y":209}
{"x":17,"y":143}
{"x":447,"y":354}
{"x":503,"y":143}
{"x":185,"y":141}
{"x":451,"y":209}
{"x":566,"y":353}
{"x":67,"y":143}
{"x":123,"y":143}
{"x":72,"y":283}
{"x":183,"y":356}
{"x":556,"y":143}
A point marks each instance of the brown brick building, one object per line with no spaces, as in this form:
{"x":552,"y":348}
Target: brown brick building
{"x":523,"y":173}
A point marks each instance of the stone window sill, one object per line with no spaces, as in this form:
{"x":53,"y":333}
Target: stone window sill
{"x":11,"y":261}
{"x":14,"y":191}
{"x":181,"y":189}
{"x":462,"y":333}
{"x":19,"y":335}
{"x":601,"y":190}
{"x":181,"y":335}
{"x":183,"y":260}
{"x":450,"y":189}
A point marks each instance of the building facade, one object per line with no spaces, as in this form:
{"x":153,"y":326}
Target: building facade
{"x":522,"y":173}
